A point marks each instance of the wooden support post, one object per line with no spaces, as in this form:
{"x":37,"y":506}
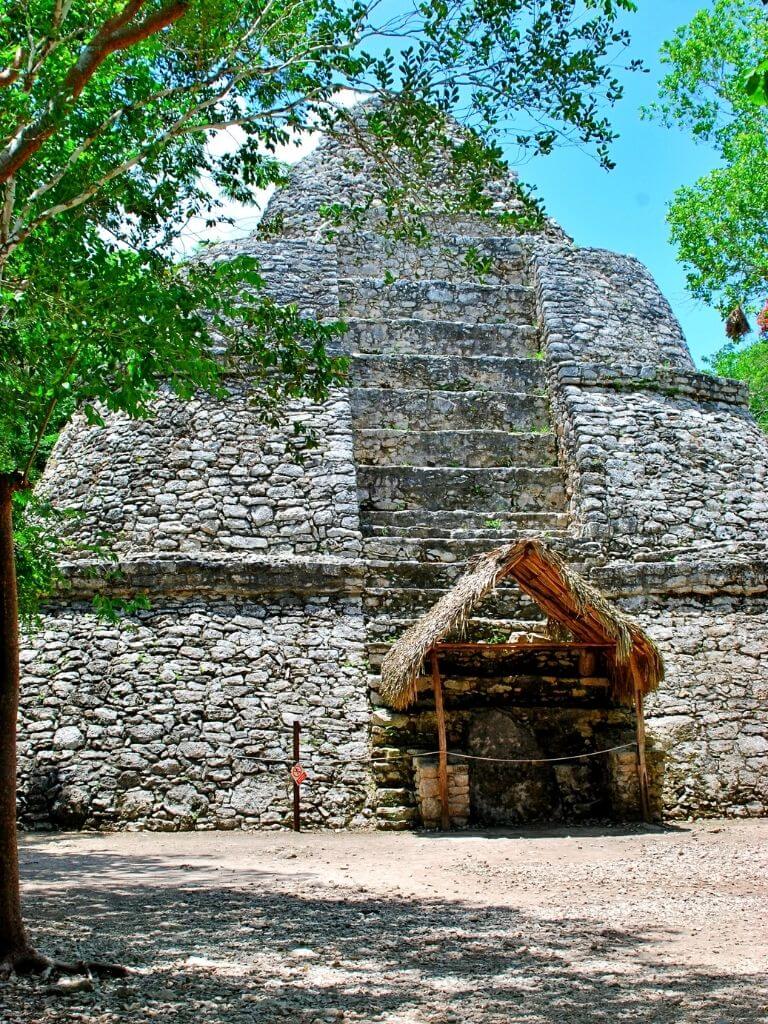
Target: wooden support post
{"x":642,"y":769}
{"x":296,"y":786}
{"x":442,"y":743}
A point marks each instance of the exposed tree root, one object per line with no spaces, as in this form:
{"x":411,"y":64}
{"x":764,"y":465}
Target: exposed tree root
{"x":30,"y":962}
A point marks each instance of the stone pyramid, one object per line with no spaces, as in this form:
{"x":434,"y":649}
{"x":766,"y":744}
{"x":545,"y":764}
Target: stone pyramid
{"x":554,"y":396}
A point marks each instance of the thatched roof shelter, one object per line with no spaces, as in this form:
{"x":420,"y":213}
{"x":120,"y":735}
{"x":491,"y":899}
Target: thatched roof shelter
{"x":569,"y":601}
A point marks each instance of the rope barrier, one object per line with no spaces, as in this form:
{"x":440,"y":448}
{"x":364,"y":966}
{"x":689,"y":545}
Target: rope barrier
{"x":531,"y":760}
{"x":451,"y":753}
{"x":262,"y":760}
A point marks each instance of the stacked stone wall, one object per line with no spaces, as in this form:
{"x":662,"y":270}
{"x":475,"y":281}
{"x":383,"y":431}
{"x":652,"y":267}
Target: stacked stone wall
{"x":652,"y":470}
{"x":496,"y":260}
{"x":707,"y":609}
{"x":206,"y":477}
{"x":266,"y":599}
{"x":599,"y":306}
{"x":709,"y":718}
{"x":181,"y":717}
{"x":657,"y":454}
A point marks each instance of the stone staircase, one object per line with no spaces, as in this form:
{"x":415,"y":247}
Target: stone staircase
{"x":453,"y":446}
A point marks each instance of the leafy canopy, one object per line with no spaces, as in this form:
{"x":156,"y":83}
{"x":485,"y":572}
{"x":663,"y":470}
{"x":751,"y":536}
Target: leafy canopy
{"x":718,"y":223}
{"x":748,"y":363}
{"x":716,"y":90}
{"x":108,"y":112}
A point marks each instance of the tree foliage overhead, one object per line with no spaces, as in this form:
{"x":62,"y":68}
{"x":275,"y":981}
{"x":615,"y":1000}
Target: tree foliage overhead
{"x":718,"y":223}
{"x":716,"y":90}
{"x":112,"y":104}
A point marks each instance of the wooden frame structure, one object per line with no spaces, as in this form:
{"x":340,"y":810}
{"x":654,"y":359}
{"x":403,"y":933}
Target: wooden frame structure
{"x":572,"y":605}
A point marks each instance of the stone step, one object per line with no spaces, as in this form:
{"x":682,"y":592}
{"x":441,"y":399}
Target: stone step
{"x":465,"y":302}
{"x":439,"y":337}
{"x":410,"y":574}
{"x":437,"y":549}
{"x":392,"y":601}
{"x":438,"y":576}
{"x":447,"y":373}
{"x":393,"y":488}
{"x":499,"y":528}
{"x":449,"y":257}
{"x":396,"y":819}
{"x":421,"y":409}
{"x":454,"y":447}
{"x":387,"y":628}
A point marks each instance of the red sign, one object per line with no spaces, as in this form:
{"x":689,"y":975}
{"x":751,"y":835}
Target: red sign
{"x":298,"y":774}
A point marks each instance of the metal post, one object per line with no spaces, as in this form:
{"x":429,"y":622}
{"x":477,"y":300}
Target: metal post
{"x":296,"y":787}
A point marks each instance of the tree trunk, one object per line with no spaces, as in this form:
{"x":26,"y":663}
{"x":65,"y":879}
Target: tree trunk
{"x":16,"y":954}
{"x":13,"y":940}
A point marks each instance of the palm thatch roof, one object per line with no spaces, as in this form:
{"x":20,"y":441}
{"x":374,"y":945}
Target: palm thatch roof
{"x":569,"y":601}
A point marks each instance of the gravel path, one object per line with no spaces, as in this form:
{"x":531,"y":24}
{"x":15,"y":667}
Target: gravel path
{"x":228,"y":928}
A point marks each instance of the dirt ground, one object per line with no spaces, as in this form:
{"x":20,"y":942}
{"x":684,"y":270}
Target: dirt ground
{"x":493,"y":928}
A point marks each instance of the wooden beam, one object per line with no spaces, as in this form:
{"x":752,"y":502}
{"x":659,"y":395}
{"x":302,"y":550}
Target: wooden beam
{"x":442,"y":743}
{"x":548,"y":645}
{"x":296,"y":787}
{"x":642,"y":768}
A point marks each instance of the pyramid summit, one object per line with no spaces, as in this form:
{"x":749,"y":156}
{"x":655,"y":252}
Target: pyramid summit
{"x":553,"y":396}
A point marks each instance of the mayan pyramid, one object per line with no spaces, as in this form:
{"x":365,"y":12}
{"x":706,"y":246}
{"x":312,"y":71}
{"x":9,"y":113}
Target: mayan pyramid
{"x":555,"y":397}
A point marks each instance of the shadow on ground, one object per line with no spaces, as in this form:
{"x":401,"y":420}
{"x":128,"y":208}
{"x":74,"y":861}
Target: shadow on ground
{"x":258,"y":952}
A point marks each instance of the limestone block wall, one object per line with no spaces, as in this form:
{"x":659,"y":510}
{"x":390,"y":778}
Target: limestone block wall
{"x":651,"y":468}
{"x":370,"y":254}
{"x":206,"y":477}
{"x":427,"y":788}
{"x":601,"y":307}
{"x":708,"y":722}
{"x":657,"y":454}
{"x":710,"y":717}
{"x":150,"y":723}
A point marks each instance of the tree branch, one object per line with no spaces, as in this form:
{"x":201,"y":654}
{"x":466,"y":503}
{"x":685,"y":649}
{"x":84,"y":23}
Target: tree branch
{"x":9,"y":75}
{"x":55,"y":399}
{"x":8,"y":201}
{"x":114,"y":35}
{"x":119,"y":34}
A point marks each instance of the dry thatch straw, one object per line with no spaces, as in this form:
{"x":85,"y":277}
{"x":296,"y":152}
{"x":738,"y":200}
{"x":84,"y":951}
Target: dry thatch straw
{"x":568,"y":600}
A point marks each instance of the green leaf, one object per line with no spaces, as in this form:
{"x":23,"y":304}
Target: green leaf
{"x":756,"y":85}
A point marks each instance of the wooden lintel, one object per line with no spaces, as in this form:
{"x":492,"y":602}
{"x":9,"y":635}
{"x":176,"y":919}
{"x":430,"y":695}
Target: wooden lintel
{"x":573,"y":645}
{"x":442,"y":742}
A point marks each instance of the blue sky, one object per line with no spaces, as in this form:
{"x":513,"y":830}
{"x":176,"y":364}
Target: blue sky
{"x":624,"y":209}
